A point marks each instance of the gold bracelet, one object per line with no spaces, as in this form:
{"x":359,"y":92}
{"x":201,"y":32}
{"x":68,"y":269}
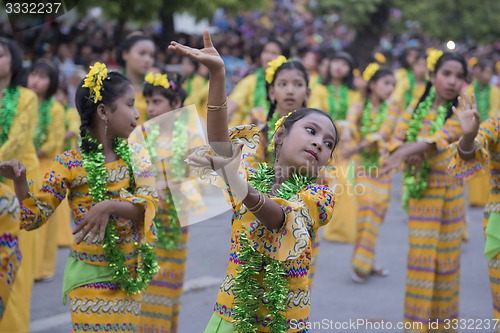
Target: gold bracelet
{"x":263,"y":203}
{"x":258,"y":203}
{"x":214,"y":108}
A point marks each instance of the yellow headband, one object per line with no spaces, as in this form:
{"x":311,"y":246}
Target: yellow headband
{"x":272,"y":66}
{"x":433,"y":58}
{"x":94,"y":79}
{"x":160,"y":80}
{"x":370,"y":70}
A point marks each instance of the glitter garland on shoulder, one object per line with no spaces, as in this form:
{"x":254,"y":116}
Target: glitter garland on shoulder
{"x":44,"y":120}
{"x":94,"y":166}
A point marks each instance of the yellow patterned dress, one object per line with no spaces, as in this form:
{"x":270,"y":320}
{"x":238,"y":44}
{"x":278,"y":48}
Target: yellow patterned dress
{"x":65,"y":233}
{"x":477,"y":195}
{"x":374,"y":192}
{"x":435,"y":225}
{"x":142,"y":107}
{"x":161,"y":300}
{"x":17,"y":313}
{"x":291,"y":245}
{"x":96,"y":301}
{"x":487,"y":158}
{"x":48,"y":234}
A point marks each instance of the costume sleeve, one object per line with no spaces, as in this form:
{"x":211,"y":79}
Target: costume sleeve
{"x":22,"y":127}
{"x":402,"y":126}
{"x":382,"y":136}
{"x":304,"y":214}
{"x":319,"y":98}
{"x":145,"y":189}
{"x":486,"y":139}
{"x":447,"y":134}
{"x":54,"y":143}
{"x":39,"y":206}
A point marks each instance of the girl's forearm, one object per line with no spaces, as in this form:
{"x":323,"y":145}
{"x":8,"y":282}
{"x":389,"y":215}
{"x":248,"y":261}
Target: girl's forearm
{"x":21,"y":188}
{"x":125,"y":209}
{"x":217,"y":121}
{"x":266,"y":210}
{"x":414,"y":148}
{"x":466,"y":148}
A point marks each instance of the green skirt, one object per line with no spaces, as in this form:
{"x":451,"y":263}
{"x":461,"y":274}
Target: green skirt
{"x":219,"y":325}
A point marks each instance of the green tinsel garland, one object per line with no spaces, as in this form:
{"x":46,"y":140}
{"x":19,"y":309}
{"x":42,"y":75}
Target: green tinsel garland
{"x":246,"y":288}
{"x":415,"y":184}
{"x":409,"y":91}
{"x":270,"y":127}
{"x":179,"y":150}
{"x":67,"y":143}
{"x":94,"y":165}
{"x":44,"y":119}
{"x":338,"y":111}
{"x":483,"y":100}
{"x":370,"y":159}
{"x":8,"y":110}
{"x":260,"y":92}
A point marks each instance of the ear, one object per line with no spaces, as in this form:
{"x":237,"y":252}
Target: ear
{"x":308,"y":94}
{"x":176,"y":103}
{"x":279,"y":136}
{"x":102,"y":111}
{"x":125,"y":55}
{"x":270,"y":92}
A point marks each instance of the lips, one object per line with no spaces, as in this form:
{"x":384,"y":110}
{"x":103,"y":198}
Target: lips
{"x":312,"y":153}
{"x":289,"y":101}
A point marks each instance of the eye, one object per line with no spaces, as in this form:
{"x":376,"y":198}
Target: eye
{"x":329,"y":144}
{"x":281,"y":84}
{"x":311,"y":130}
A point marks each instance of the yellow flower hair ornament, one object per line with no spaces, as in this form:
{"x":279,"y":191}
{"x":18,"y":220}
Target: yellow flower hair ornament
{"x":94,"y":80}
{"x":472,"y":62}
{"x":380,"y":58}
{"x":160,"y":80}
{"x":370,"y":70}
{"x":277,"y":126}
{"x":272,"y":66}
{"x":433,"y":58}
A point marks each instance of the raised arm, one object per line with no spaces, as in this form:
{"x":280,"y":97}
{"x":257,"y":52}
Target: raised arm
{"x":217,"y":121}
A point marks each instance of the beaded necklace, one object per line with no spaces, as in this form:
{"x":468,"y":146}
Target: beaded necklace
{"x":338,"y":111}
{"x":44,"y":120}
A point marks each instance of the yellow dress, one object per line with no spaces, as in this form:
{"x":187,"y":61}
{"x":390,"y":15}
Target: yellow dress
{"x":477,"y":183}
{"x":161,"y":304}
{"x":142,"y":107}
{"x":486,"y":159}
{"x":48,"y":235}
{"x":96,"y":300}
{"x":435,"y":224}
{"x":342,"y":227}
{"x":291,"y":245}
{"x":374,"y":192}
{"x":65,"y":232}
{"x":245,"y":94}
{"x":17,"y":313}
{"x":196,"y":89}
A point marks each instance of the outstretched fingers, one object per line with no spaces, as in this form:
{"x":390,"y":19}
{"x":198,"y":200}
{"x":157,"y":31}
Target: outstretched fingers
{"x":207,"y":41}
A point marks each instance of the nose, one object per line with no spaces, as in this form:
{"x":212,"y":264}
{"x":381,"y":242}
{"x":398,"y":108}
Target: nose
{"x":316,"y":144}
{"x":136,"y":114}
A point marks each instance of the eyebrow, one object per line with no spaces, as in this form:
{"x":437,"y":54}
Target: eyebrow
{"x":318,"y":126}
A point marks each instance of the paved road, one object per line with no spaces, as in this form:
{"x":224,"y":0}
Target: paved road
{"x":335,"y":298}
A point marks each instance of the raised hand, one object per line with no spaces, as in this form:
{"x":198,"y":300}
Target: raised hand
{"x":468,"y":117}
{"x":207,"y":56}
{"x":12,"y":169}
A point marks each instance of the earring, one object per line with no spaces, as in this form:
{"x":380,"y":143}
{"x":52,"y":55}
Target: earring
{"x":105,"y":127}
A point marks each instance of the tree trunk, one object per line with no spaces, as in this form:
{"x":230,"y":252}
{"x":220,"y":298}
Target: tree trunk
{"x":368,"y":37}
{"x":168,"y":28}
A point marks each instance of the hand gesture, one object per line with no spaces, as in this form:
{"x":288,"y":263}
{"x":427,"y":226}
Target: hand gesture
{"x":12,"y":169}
{"x":93,"y":223}
{"x":224,"y":166}
{"x":393,"y":162}
{"x":415,"y":160}
{"x":207,"y":56}
{"x":468,"y":117}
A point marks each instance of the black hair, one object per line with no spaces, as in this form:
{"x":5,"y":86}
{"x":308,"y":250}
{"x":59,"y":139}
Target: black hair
{"x":380,"y":73}
{"x":404,"y":62}
{"x":127,"y":44}
{"x":285,"y":50}
{"x":16,"y":63}
{"x":301,"y":113}
{"x":485,"y":63}
{"x":294,"y":64}
{"x":447,"y":56}
{"x":175,"y":90}
{"x":113,"y":87}
{"x":349,"y":79}
{"x":48,"y":67}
